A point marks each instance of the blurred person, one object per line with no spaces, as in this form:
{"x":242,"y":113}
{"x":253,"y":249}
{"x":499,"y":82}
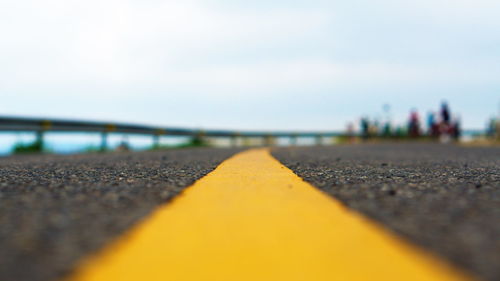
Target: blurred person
{"x":456,"y":128}
{"x":124,"y":145}
{"x":445,"y":131}
{"x":414,"y":124}
{"x":432,"y":125}
{"x":445,"y":113}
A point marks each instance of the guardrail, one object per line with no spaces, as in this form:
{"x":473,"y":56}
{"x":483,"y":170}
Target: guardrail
{"x":41,"y":126}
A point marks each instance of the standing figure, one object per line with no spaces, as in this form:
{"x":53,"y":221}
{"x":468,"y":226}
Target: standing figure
{"x":445,"y":113}
{"x":414,"y":125}
{"x":456,"y":129}
{"x":432,"y":126}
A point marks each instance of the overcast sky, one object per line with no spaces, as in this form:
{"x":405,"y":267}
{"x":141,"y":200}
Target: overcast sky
{"x":307,"y":64}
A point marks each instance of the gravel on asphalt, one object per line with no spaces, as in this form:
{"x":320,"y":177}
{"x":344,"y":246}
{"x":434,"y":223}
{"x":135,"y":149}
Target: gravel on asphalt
{"x":444,"y":198}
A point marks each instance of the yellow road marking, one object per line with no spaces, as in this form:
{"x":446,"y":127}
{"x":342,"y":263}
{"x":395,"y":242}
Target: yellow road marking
{"x":254,"y":219}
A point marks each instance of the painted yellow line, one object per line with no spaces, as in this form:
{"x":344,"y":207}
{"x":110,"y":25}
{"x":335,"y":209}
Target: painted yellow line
{"x":254,"y":219}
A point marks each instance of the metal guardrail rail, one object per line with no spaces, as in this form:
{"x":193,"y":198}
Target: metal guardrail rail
{"x":41,"y":126}
{"x":17,"y":124}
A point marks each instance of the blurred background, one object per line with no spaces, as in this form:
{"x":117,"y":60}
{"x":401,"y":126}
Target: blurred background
{"x":316,"y":65}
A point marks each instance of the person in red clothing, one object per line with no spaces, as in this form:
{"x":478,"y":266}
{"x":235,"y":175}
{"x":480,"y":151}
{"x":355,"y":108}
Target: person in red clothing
{"x":414,"y":125}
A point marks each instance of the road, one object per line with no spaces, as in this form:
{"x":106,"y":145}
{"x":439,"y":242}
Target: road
{"x":444,"y":198}
{"x":55,"y":210}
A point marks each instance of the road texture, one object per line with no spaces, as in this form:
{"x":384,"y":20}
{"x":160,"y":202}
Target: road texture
{"x":444,"y":198}
{"x":254,"y":219}
{"x":56,"y":209}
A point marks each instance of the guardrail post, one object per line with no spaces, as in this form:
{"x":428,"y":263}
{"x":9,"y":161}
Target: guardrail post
{"x":198,"y":138}
{"x":247,"y":141}
{"x":269,"y":140}
{"x":319,"y":140}
{"x":40,"y":134}
{"x":156,"y":141}
{"x":104,"y":141}
{"x":104,"y":137}
{"x":156,"y":138}
{"x":234,"y":140}
{"x":40,"y":138}
{"x":293,"y":140}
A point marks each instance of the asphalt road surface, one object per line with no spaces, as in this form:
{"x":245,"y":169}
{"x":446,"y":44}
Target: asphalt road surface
{"x":56,"y":209}
{"x":443,"y":198}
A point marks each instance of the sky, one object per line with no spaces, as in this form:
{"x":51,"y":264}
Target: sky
{"x":246,"y":65}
